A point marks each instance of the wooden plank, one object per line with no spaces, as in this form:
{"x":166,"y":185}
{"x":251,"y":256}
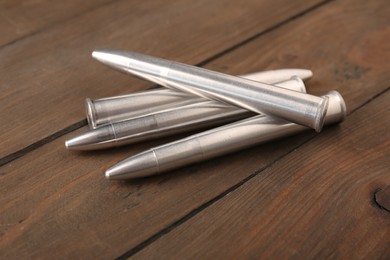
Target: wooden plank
{"x":46,"y":77}
{"x":57,"y":203}
{"x":315,"y":208}
{"x":21,"y":18}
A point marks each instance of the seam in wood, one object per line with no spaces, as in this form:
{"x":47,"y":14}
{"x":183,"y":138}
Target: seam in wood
{"x":36,"y":145}
{"x":202,"y":207}
{"x":259,"y":34}
{"x":369,"y":101}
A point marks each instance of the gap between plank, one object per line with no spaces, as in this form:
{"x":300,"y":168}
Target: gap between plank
{"x":36,"y":145}
{"x":13,"y":156}
{"x":210,"y":202}
{"x":274,"y":27}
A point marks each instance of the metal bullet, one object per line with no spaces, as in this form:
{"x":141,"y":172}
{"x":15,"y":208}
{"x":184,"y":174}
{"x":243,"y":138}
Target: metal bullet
{"x":279,"y":75}
{"x":114,"y":109}
{"x":108,"y":110}
{"x":216,"y":142}
{"x":175,"y":120}
{"x":258,"y":97}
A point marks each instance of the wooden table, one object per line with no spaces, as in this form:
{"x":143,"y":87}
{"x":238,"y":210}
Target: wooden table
{"x":312,"y":195}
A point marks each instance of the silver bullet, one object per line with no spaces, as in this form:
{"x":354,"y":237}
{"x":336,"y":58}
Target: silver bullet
{"x":119,"y":108}
{"x":176,"y":120}
{"x":258,"y":97}
{"x":217,"y":142}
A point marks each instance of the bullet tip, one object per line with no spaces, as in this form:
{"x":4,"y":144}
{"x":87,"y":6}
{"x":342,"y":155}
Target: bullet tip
{"x":70,"y":144}
{"x":107,"y":174}
{"x":308,"y":74}
{"x":111,"y":58}
{"x":115,"y":173}
{"x":98,"y":53}
{"x":300,"y":83}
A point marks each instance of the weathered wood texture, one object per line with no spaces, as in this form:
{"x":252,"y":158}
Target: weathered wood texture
{"x":319,"y":207}
{"x":21,"y":18}
{"x":56,"y":203}
{"x":46,"y":77}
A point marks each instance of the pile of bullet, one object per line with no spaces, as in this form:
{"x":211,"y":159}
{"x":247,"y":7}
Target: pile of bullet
{"x":249,"y":110}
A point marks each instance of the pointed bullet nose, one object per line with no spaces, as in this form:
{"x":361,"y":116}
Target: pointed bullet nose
{"x":116,"y":172}
{"x":72,"y":144}
{"x":108,"y":174}
{"x":114,"y":59}
{"x":138,"y":166}
{"x":304,"y":74}
{"x":92,"y":139}
{"x":67,"y":144}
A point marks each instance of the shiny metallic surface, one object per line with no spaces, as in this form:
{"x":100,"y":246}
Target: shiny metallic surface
{"x":114,"y":109}
{"x":216,"y":142}
{"x":337,"y":110}
{"x":273,"y":76}
{"x":175,"y":120}
{"x":258,"y":97}
{"x":164,"y":123}
{"x":119,"y":108}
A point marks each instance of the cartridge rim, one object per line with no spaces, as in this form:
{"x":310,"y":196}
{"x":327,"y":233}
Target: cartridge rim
{"x":320,"y":118}
{"x":343,"y":106}
{"x":91,"y":112}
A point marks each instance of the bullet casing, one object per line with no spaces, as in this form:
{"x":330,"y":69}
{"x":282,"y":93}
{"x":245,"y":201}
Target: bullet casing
{"x":164,"y":123}
{"x":258,"y":97}
{"x":119,"y":108}
{"x":114,"y":109}
{"x":217,"y":142}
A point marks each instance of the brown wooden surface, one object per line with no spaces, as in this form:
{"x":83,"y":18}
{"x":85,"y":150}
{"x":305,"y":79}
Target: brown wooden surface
{"x":22,"y":18}
{"x":276,"y":200}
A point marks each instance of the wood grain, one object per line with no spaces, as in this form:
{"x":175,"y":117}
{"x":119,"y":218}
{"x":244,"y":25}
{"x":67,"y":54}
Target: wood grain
{"x":320,"y":207}
{"x":57,"y":204}
{"x":46,"y":77}
{"x":21,"y":18}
